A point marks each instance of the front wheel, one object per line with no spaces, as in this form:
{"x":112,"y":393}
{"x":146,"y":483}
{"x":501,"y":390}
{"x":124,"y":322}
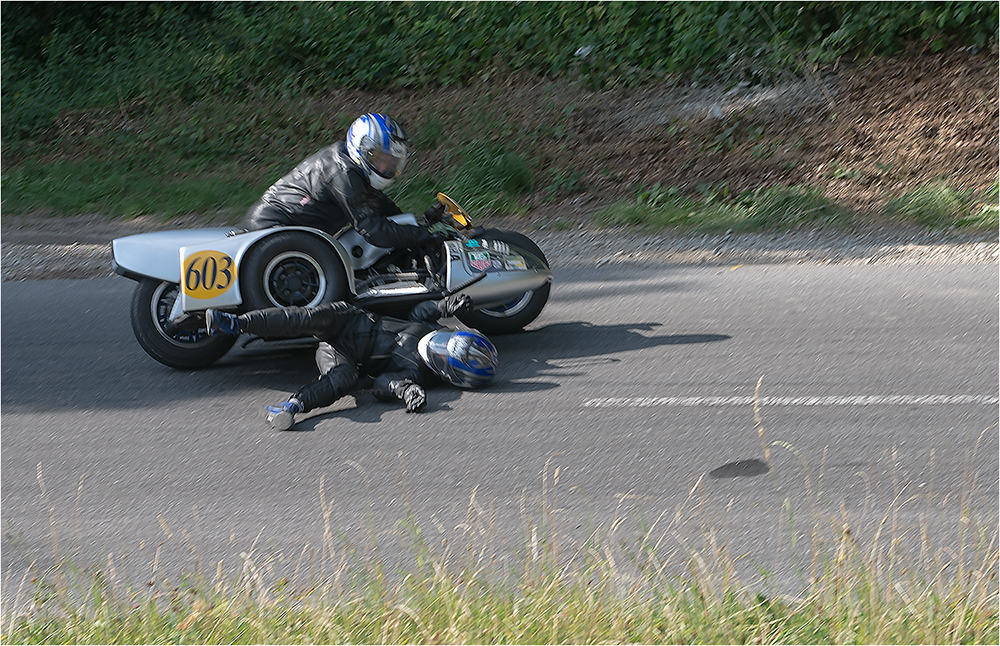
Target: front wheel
{"x":521,"y":310}
{"x":152,"y":302}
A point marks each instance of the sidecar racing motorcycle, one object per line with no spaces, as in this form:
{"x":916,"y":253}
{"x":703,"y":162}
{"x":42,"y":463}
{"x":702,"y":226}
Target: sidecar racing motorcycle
{"x":182,"y":273}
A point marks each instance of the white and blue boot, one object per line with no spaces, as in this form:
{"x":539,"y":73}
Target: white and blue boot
{"x":281,"y":416}
{"x":221,"y":323}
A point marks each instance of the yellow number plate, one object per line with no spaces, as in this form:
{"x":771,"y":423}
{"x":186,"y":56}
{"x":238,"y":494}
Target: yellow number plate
{"x":207,"y":274}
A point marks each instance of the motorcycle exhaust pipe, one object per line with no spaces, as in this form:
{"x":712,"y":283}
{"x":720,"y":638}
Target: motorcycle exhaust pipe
{"x":467,"y":284}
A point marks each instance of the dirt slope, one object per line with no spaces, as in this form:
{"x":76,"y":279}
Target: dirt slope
{"x":863,"y":134}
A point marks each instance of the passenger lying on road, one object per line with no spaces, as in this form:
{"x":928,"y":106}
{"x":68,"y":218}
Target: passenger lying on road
{"x":356,"y":346}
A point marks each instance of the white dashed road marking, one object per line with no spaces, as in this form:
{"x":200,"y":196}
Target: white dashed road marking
{"x":851,"y":400}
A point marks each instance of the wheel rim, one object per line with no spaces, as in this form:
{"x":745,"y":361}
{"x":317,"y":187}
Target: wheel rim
{"x":161,"y":304}
{"x":511,"y":308}
{"x":293,"y":278}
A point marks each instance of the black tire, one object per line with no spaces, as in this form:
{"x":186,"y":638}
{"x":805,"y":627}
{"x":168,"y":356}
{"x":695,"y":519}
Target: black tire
{"x":291,"y":268}
{"x":152,"y":301}
{"x":520,"y":311}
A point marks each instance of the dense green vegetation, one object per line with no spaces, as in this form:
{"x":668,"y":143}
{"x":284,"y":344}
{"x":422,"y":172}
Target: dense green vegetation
{"x":171,"y":108}
{"x":94,"y":54}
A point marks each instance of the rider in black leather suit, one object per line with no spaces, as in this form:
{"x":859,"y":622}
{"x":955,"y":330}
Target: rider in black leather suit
{"x":341,"y":185}
{"x":356,"y":348}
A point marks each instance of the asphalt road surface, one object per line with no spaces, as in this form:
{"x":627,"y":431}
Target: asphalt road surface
{"x":624,"y":414}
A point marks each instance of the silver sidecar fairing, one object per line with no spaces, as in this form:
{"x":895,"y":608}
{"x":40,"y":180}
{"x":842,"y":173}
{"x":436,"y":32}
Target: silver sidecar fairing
{"x":154,"y":255}
{"x":194,"y":253}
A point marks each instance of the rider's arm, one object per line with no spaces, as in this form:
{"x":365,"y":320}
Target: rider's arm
{"x":426,"y":312}
{"x":368,"y":211}
{"x":407,"y":385}
{"x":430,"y":311}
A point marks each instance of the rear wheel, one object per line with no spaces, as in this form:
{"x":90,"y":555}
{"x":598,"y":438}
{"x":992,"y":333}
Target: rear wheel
{"x":152,"y":302}
{"x":291,"y":269}
{"x":519,"y":311}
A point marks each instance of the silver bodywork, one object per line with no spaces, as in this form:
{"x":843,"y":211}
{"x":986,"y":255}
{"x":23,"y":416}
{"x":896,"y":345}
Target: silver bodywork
{"x":164,"y":254}
{"x":173,"y":255}
{"x":503,"y":281}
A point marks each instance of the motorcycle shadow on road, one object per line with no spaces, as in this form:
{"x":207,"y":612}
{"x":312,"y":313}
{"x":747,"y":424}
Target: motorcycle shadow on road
{"x":573,"y":348}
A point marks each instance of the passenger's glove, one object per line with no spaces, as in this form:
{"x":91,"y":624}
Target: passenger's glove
{"x":412,"y":395}
{"x":434,"y":213}
{"x":415,"y":399}
{"x":454,"y":304}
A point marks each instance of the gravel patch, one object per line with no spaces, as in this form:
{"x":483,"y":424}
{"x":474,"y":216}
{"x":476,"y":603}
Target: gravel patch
{"x":37,"y":262}
{"x":25,"y":258}
{"x":876,"y":246}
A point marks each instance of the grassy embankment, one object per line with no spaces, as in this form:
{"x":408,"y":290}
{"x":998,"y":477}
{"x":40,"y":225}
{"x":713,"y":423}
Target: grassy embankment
{"x":165,"y":167}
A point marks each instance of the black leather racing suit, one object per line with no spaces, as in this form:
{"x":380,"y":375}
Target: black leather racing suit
{"x":355,"y":345}
{"x":328,"y":191}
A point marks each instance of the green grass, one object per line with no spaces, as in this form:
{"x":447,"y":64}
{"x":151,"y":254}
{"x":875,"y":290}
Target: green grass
{"x":124,"y":191}
{"x":939,"y":205}
{"x":765,"y":209}
{"x":486,"y":179}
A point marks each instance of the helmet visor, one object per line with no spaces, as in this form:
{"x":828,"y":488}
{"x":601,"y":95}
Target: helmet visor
{"x":434,"y":350}
{"x":387,"y":164}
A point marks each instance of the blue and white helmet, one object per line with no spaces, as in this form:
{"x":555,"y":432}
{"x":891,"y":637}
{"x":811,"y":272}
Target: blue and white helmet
{"x":465,"y":359}
{"x":379,"y":146}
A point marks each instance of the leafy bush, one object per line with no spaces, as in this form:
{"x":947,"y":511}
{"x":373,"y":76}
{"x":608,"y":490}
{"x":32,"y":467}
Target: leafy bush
{"x":76,"y":56}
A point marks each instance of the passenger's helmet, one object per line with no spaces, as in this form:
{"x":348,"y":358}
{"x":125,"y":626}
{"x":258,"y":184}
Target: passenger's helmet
{"x":465,"y":359}
{"x":378,"y":144}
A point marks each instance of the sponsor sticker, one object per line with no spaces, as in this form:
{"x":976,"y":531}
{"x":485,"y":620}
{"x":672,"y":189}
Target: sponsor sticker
{"x":516,"y":262}
{"x":496,"y":245}
{"x":479,"y":260}
{"x":472,"y":243}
